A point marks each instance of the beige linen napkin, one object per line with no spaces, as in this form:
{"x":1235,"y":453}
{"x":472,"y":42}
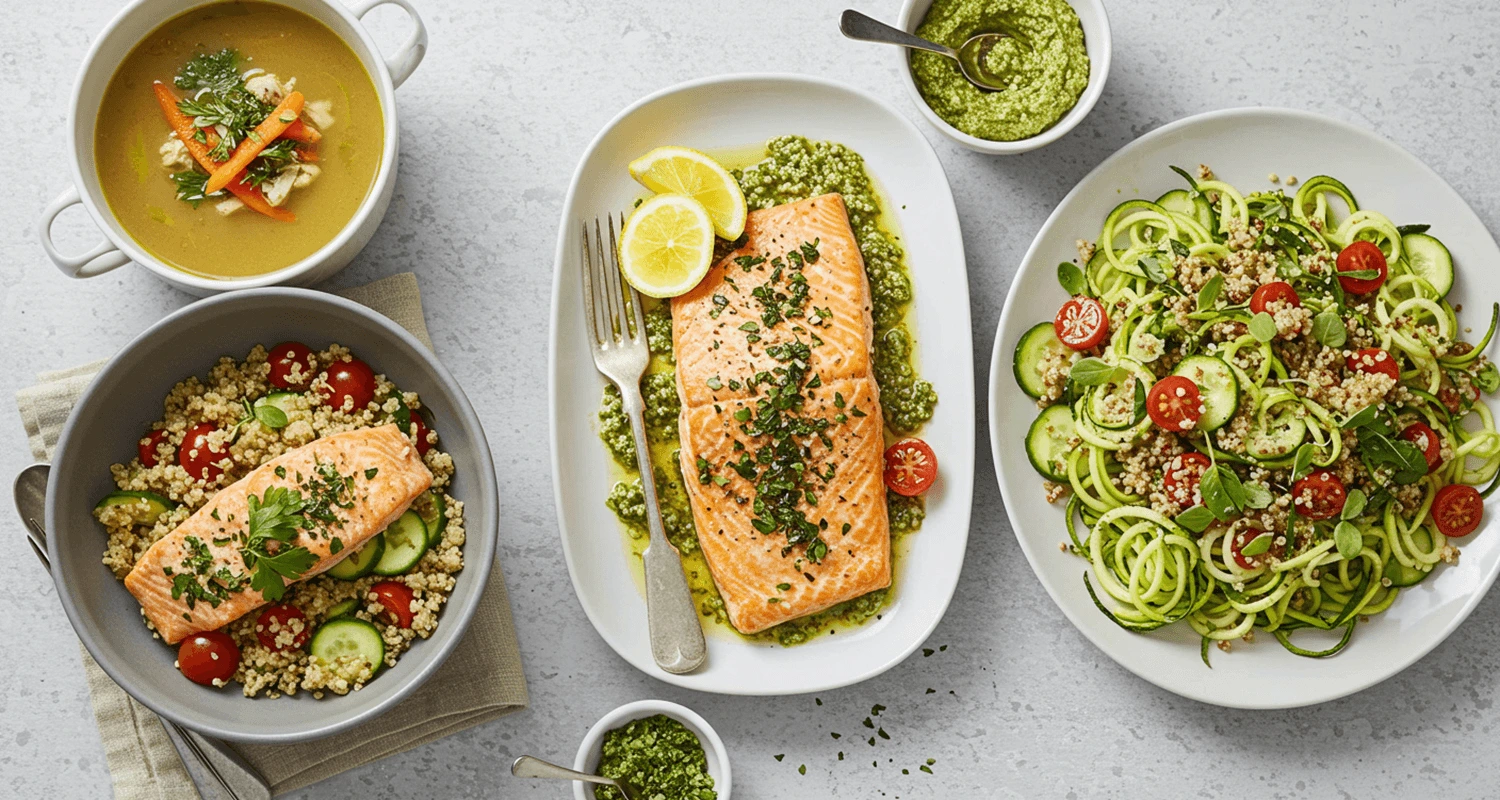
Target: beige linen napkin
{"x":481,"y":679}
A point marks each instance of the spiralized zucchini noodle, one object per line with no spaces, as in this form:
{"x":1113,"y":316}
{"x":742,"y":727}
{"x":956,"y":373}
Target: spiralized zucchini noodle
{"x":1308,"y":479}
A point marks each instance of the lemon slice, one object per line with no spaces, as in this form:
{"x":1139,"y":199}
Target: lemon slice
{"x":682,"y":170}
{"x":667,"y":246}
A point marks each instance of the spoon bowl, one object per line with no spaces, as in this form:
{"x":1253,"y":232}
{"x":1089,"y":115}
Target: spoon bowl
{"x":971,"y":55}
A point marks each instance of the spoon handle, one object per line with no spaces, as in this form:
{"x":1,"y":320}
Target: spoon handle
{"x":528,"y":767}
{"x":866,"y":29}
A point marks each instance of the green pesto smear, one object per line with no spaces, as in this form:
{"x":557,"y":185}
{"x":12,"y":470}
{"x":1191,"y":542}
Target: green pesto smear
{"x":1045,"y":65}
{"x":793,"y":168}
{"x":657,"y":758}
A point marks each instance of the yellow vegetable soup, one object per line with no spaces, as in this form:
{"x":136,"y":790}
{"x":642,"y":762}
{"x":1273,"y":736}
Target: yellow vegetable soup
{"x":229,"y":73}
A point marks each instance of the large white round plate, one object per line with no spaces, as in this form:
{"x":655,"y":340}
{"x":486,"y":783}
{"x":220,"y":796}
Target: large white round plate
{"x":733,"y":112}
{"x":1243,"y":146}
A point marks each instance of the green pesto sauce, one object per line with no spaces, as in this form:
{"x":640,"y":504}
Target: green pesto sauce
{"x":1045,"y":65}
{"x":659,"y":757}
{"x":789,"y":169}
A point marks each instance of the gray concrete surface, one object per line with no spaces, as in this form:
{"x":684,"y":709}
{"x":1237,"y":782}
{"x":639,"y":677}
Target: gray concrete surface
{"x":1024,"y":706}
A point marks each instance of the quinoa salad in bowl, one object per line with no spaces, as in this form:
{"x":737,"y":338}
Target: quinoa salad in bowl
{"x":286,"y":523}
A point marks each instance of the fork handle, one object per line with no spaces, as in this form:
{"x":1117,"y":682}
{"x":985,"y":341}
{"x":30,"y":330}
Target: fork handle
{"x":677,"y":643}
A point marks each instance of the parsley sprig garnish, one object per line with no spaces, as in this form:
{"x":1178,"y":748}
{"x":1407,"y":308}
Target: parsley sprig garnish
{"x":275,"y":518}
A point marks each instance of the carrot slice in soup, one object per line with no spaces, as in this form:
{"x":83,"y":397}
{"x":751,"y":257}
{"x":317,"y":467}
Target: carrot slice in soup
{"x":183,"y":126}
{"x":268,"y":131}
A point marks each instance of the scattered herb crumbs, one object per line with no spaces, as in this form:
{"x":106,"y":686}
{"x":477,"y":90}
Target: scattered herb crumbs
{"x":876,"y":709}
{"x":836,"y":735}
{"x":868,"y":723}
{"x":927,"y":651}
{"x":802,"y":770}
{"x":882,"y":734}
{"x":779,"y":756}
{"x":925,"y":769}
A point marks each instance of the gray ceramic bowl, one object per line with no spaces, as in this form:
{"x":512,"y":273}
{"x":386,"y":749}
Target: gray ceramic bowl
{"x":127,"y":396}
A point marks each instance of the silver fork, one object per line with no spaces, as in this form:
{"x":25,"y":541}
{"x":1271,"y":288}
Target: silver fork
{"x":617,"y":335}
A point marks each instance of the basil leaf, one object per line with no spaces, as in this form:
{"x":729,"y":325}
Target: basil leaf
{"x":1258,"y":545}
{"x":1407,"y":463}
{"x":1413,"y":463}
{"x":1139,"y":410}
{"x":1195,"y":519}
{"x":1487,"y":378}
{"x":1236,"y":490}
{"x":1257,"y":496}
{"x":1354,"y":504}
{"x":1263,"y":327}
{"x":1209,"y":294}
{"x":1349,"y":540}
{"x":1360,"y":274}
{"x":1179,"y":248}
{"x":1302,"y":461}
{"x":270,"y":416}
{"x":1152,"y":268}
{"x":1222,"y":492}
{"x":1092,"y":371}
{"x":1419,"y":228}
{"x":1071,"y":278}
{"x":1329,"y":330}
{"x":1361,"y":418}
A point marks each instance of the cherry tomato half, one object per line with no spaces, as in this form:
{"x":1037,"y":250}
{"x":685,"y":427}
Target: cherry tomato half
{"x":292,"y":365}
{"x":209,"y":656}
{"x":1181,"y":479}
{"x":1175,"y":404}
{"x":277,"y":620}
{"x":1360,"y":256}
{"x":1273,"y":291}
{"x":1242,"y":539}
{"x":1425,"y":438}
{"x":910,"y":467}
{"x":1374,"y":361}
{"x":352,"y":379}
{"x":1081,"y":323}
{"x":200,"y":459}
{"x":147,"y":446}
{"x":419,"y":432}
{"x":397,"y":599}
{"x":1319,"y":495}
{"x":1457,"y":509}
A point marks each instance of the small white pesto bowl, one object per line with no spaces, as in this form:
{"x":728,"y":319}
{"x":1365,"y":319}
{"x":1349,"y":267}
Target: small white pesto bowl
{"x":1096,"y":41}
{"x":713,"y":747}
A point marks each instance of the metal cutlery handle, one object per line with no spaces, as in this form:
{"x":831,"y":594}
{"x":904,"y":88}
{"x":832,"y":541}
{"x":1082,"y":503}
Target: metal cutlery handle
{"x":529,"y":767}
{"x":867,"y":29}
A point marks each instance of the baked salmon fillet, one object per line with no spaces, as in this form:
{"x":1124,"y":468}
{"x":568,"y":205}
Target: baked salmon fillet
{"x":781,"y":428}
{"x":351,"y":486}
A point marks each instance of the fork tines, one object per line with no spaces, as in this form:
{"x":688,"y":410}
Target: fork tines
{"x":612,"y":317}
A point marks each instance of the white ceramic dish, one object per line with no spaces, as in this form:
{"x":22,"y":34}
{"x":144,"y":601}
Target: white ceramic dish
{"x":1242,"y":146}
{"x":119,"y":248}
{"x":716,"y":755}
{"x":734,"y":111}
{"x":1096,"y":40}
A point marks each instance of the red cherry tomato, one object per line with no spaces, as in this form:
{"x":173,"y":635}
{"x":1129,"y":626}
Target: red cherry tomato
{"x":276,"y":619}
{"x":1181,"y":479}
{"x":1081,"y":323}
{"x":352,"y":379}
{"x":292,"y":365}
{"x":147,"y":446}
{"x":1242,"y":539}
{"x":196,"y":455}
{"x":910,"y":467}
{"x":207,"y":657}
{"x":1319,"y":495}
{"x":1457,"y":509}
{"x":1360,"y":256}
{"x":1374,"y":361}
{"x":1425,"y":438}
{"x":1275,"y":290}
{"x":1175,"y":404}
{"x":397,"y":599}
{"x":419,"y":432}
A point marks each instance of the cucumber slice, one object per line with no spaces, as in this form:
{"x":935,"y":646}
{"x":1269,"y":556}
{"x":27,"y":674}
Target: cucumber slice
{"x":1276,"y":435}
{"x":1189,"y":204}
{"x":144,"y":507}
{"x":1112,"y":405}
{"x":1033,"y":352}
{"x":1049,"y":442}
{"x":359,"y":563}
{"x":405,"y":542}
{"x":343,"y":609}
{"x":1144,"y":345}
{"x":1217,"y":384}
{"x":1429,"y":260}
{"x":349,"y":636}
{"x":433,"y":510}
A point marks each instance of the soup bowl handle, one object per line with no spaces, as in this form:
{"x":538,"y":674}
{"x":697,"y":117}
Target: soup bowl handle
{"x":405,"y":61}
{"x":97,"y":261}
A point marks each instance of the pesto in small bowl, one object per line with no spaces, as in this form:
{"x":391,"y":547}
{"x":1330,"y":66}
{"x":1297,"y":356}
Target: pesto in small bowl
{"x":655,"y":756}
{"x":1045,"y":61}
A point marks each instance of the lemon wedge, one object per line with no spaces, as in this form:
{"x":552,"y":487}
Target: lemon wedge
{"x":667,"y":245}
{"x":684,"y":171}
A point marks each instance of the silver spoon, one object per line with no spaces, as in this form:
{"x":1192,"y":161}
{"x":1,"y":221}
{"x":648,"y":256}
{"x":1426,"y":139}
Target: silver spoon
{"x":971,"y":55}
{"x":233,"y":774}
{"x":529,"y":767}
